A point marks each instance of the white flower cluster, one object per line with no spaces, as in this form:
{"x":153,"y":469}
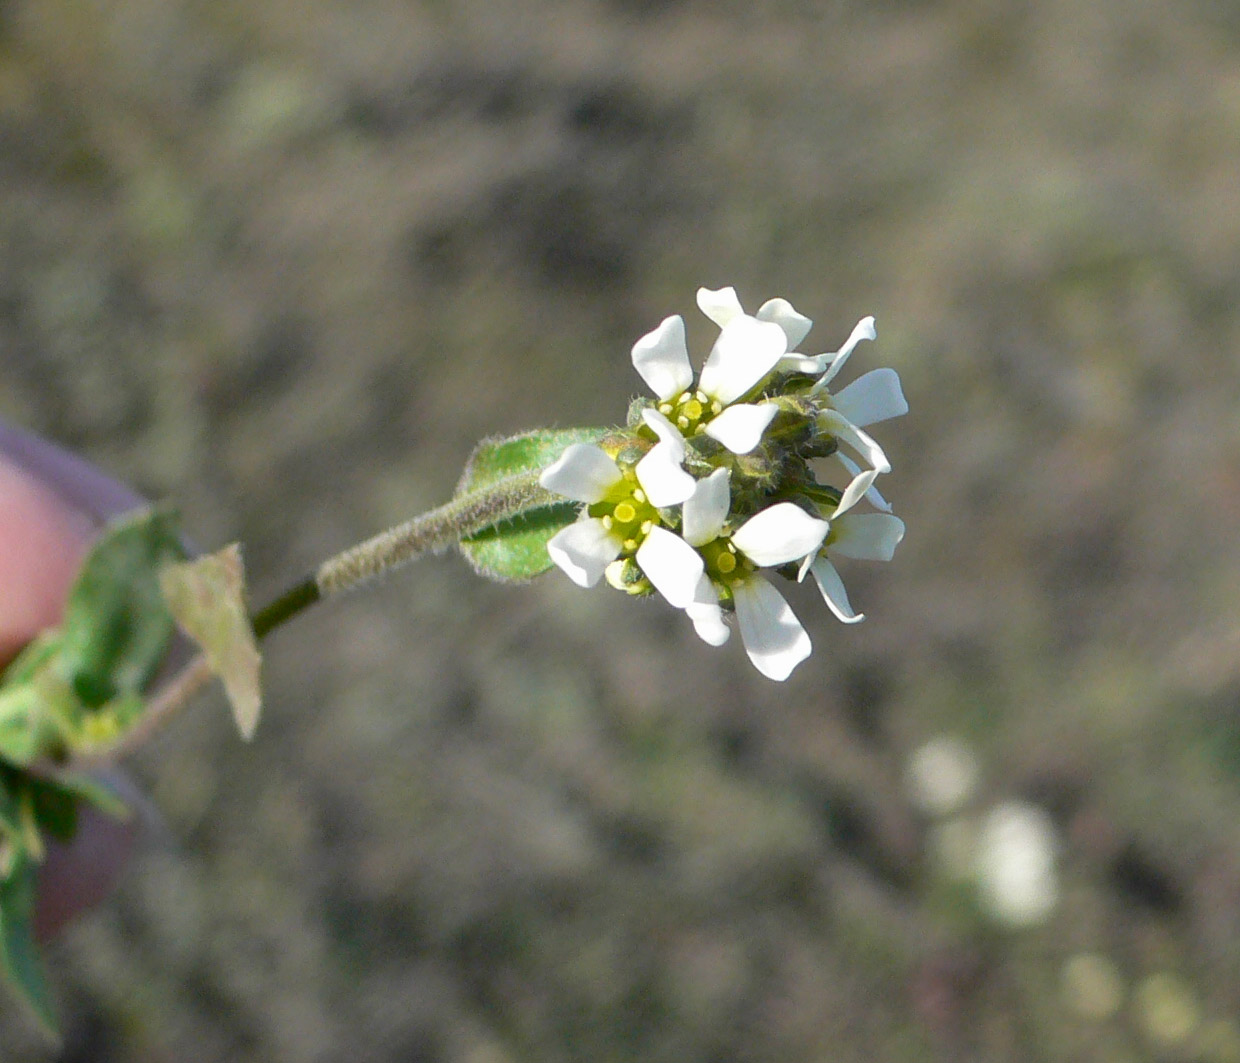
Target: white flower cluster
{"x":714,"y":482}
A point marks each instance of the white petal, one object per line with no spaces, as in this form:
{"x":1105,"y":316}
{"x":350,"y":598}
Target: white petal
{"x":721,"y":305}
{"x":672,"y":565}
{"x":774,"y":638}
{"x":662,"y":358}
{"x":706,"y":509}
{"x":805,"y":363}
{"x":846,"y":432}
{"x":583,"y":473}
{"x":866,"y":536}
{"x":873,"y":397}
{"x":872,"y":496}
{"x":740,"y":427}
{"x":863,"y":330}
{"x":780,"y":533}
{"x":662,"y":478}
{"x":666,"y":431}
{"x":746,"y":350}
{"x":583,"y":550}
{"x":859,"y":486}
{"x":833,"y":592}
{"x":660,"y":472}
{"x":796,"y":326}
{"x":706,"y":615}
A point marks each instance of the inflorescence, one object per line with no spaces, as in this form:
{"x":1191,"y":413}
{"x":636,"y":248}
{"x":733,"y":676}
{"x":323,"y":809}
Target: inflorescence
{"x":714,"y":482}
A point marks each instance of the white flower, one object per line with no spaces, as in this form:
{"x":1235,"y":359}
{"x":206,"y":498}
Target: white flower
{"x":588,"y":474}
{"x":942,"y":775}
{"x":773,"y":637}
{"x":1016,"y":863}
{"x":624,"y":531}
{"x":873,"y":397}
{"x":861,"y":536}
{"x":825,"y":366}
{"x":747,"y":349}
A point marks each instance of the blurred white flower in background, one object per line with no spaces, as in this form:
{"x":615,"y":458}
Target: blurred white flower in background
{"x":942,"y":775}
{"x":1016,"y":877}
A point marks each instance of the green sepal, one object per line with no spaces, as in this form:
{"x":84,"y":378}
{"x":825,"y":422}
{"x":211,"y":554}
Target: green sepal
{"x":116,"y":624}
{"x":19,"y":955}
{"x":515,"y":550}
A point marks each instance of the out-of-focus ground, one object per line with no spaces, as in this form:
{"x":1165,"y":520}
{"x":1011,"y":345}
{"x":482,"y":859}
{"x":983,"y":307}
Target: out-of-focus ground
{"x":285,"y":262}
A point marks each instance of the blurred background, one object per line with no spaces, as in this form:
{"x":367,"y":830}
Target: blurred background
{"x":283,"y":262}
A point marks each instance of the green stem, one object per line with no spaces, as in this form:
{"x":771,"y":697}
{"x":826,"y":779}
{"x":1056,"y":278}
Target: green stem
{"x":436,"y":530}
{"x":298,"y":597}
{"x":433,"y":531}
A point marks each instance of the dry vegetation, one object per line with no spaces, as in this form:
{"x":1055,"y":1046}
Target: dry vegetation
{"x":285,"y":261}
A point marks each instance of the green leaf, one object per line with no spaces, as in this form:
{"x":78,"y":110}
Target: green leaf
{"x":32,"y":658}
{"x":496,"y":459}
{"x":515,"y":550}
{"x":75,"y":787}
{"x":21,"y":723}
{"x":116,"y":624}
{"x":19,"y":955}
{"x":207,"y":597}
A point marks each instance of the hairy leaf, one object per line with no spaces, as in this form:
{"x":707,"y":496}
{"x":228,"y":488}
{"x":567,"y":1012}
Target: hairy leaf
{"x":515,"y":550}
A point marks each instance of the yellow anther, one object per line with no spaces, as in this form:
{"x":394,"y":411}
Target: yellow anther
{"x":682,"y":421}
{"x":665,"y":408}
{"x":630,"y":545}
{"x":646,"y":526}
{"x":639,"y":496}
{"x":607,"y":521}
{"x":624,"y":513}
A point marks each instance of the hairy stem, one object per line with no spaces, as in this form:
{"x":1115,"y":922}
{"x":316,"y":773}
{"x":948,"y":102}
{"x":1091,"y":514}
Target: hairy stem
{"x":433,"y":531}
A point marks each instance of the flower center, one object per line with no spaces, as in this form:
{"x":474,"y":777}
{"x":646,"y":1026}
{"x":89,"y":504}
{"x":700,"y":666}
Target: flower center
{"x":691,"y":411}
{"x":627,"y":513}
{"x":724,"y":564}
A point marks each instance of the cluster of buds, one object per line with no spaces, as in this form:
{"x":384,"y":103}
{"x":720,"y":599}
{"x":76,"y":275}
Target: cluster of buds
{"x":712,"y":483}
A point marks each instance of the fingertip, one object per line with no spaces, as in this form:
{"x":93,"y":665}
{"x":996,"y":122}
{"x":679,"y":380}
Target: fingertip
{"x":42,"y":543}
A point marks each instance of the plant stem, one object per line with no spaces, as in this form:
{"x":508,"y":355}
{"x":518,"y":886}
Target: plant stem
{"x":298,"y":597}
{"x":433,"y":531}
